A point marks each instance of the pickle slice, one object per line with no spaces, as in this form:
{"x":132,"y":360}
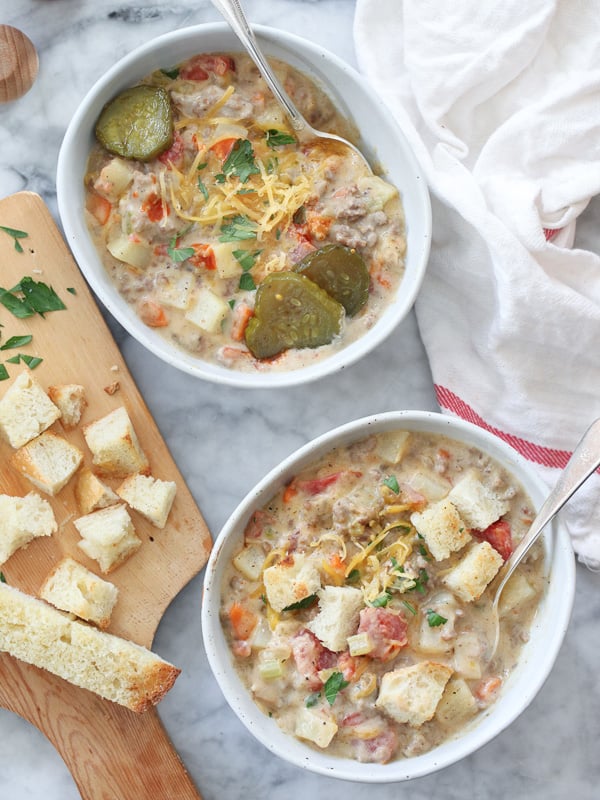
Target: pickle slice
{"x":341,"y":272}
{"x":137,"y":123}
{"x":291,"y":311}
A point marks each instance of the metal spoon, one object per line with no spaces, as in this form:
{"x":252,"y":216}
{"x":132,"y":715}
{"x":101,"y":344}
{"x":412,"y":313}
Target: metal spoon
{"x":584,"y":461}
{"x":234,"y":14}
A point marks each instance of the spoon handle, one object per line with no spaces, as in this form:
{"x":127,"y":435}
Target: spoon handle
{"x":584,"y":461}
{"x":234,"y":14}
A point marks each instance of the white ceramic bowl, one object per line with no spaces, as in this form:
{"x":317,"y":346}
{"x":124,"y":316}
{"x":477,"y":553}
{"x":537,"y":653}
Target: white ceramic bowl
{"x":537,"y":656}
{"x":383,"y":142}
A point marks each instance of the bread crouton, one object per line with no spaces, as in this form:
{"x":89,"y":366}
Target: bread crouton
{"x":73,"y":588}
{"x":476,"y":503}
{"x":151,"y":497}
{"x":70,"y":399}
{"x":25,"y":411}
{"x":91,"y":493}
{"x":291,"y":581}
{"x":48,"y":461}
{"x":108,"y":536}
{"x":411,"y":694}
{"x":443,"y":529}
{"x":339,"y":608}
{"x":114,"y":445}
{"x":23,"y":519}
{"x":112,"y":667}
{"x":469,"y":578}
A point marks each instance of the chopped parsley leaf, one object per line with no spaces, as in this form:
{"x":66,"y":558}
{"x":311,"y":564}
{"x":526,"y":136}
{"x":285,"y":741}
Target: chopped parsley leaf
{"x":203,"y":189}
{"x":16,"y":235}
{"x":381,"y":600}
{"x":2,"y":578}
{"x":421,"y":582}
{"x":3,"y":373}
{"x":246,"y":258}
{"x":237,"y":229}
{"x":277,"y":138}
{"x":353,"y":576}
{"x":240,"y":161}
{"x":39,"y":297}
{"x":333,"y":685}
{"x":423,"y":551}
{"x":312,"y":699}
{"x":171,"y":73}
{"x":247,"y":282}
{"x":16,"y":341}
{"x":179,"y":254}
{"x":410,"y":607}
{"x":392,"y":483}
{"x":434,"y":619}
{"x":31,"y":361}
{"x":71,"y":290}
{"x":306,"y":602}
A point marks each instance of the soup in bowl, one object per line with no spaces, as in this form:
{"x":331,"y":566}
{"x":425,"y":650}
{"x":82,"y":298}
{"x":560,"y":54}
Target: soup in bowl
{"x":347,"y":613}
{"x":224,"y":243}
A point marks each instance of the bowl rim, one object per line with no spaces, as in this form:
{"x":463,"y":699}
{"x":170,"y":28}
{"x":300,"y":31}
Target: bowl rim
{"x":75,"y":231}
{"x":530,"y":674}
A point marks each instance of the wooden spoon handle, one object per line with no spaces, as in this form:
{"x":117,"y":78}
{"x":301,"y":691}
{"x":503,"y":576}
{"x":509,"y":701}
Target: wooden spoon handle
{"x":18,"y":63}
{"x":110,"y":751}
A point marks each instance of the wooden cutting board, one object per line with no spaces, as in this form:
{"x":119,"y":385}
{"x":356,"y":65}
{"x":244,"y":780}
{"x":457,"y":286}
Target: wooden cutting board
{"x":110,"y":751}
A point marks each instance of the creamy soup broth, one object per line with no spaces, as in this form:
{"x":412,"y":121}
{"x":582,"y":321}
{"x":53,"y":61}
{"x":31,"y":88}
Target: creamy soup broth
{"x":356,"y":607}
{"x":190,"y":235}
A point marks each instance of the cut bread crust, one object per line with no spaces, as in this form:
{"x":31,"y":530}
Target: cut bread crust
{"x":113,"y":668}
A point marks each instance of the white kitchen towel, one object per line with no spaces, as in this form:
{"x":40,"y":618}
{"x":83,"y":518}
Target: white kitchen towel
{"x":501,"y":103}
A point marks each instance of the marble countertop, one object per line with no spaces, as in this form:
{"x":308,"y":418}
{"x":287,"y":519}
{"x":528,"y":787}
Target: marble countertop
{"x":551,"y":751}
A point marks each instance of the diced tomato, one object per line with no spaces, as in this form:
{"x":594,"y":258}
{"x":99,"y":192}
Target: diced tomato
{"x":204,"y":257}
{"x":257,"y":523}
{"x":154,"y":208}
{"x":241,"y":649}
{"x":310,"y":657}
{"x":161,"y":249}
{"x":411,"y":497}
{"x":487,"y":690}
{"x":499,"y":535}
{"x":223,"y":148}
{"x":386,"y":629}
{"x":300,"y":231}
{"x":174,"y":155}
{"x":198,"y":68}
{"x":347,"y":665}
{"x":232,"y":354}
{"x":318,"y":485}
{"x":318,"y":226}
{"x":289,"y":492}
{"x":99,"y":207}
{"x":243,"y":621}
{"x":241,"y":317}
{"x":377,"y":750}
{"x":152,"y":313}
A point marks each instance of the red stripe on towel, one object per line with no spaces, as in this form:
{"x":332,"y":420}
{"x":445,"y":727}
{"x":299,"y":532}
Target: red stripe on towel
{"x":546,"y":456}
